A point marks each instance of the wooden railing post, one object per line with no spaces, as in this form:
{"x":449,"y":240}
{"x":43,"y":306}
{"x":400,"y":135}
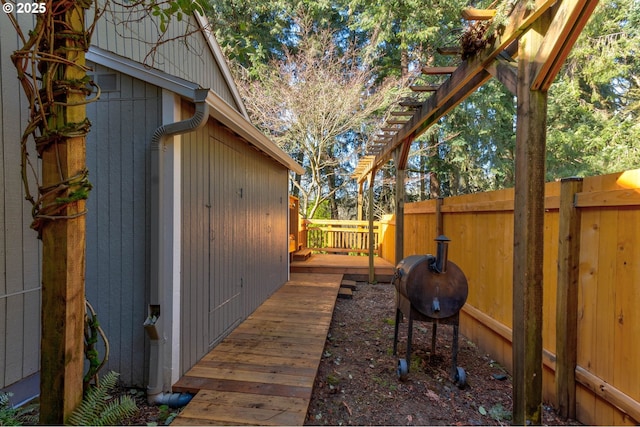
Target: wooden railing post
{"x":302,"y":237}
{"x":567,"y":297}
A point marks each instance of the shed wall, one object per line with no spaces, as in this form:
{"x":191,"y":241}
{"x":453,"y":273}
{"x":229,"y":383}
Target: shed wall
{"x":189,"y":58}
{"x":19,"y":248}
{"x":234,"y":236}
{"x":117,"y":275}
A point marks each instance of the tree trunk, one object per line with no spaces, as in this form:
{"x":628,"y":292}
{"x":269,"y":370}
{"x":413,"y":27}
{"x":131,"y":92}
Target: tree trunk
{"x":298,"y":178}
{"x":423,"y":168}
{"x":404,"y":63}
{"x":333,"y":204}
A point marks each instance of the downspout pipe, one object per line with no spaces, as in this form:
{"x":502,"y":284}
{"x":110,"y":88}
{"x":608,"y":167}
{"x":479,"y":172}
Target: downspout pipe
{"x":155,"y":325}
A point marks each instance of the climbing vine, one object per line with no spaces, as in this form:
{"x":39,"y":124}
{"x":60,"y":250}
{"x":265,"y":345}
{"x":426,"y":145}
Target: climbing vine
{"x":47,"y":50}
{"x":92,"y":333}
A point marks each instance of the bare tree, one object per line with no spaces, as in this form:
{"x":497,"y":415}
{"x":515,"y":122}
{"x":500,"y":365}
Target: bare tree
{"x":318,"y":104}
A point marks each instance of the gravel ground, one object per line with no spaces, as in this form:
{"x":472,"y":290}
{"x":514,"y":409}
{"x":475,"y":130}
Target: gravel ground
{"x":357,"y":382}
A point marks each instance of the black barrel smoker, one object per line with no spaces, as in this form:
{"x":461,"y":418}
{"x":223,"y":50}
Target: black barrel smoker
{"x":430,"y":288}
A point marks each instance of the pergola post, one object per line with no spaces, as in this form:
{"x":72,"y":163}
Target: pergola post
{"x":400,"y":196}
{"x":372,"y":274}
{"x":360,"y":206}
{"x":528,"y":233}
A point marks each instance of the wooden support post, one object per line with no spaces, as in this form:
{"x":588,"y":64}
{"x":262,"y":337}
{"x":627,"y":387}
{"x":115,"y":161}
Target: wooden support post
{"x":303,"y":236}
{"x":372,"y":272}
{"x":63,"y":249}
{"x":567,"y":297}
{"x":400,"y":195}
{"x":439,"y":219}
{"x":528,"y":235}
{"x":360,"y":200}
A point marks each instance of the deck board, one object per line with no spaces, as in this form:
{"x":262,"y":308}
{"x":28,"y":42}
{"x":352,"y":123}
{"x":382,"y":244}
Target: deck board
{"x":263,"y":372}
{"x":356,"y":267}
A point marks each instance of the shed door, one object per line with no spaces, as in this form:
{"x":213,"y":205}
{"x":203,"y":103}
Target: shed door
{"x":213,"y":232}
{"x":227,"y":237}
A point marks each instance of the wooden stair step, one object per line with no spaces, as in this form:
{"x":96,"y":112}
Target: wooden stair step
{"x":345,"y":293}
{"x":302,"y":254}
{"x":351,"y":284}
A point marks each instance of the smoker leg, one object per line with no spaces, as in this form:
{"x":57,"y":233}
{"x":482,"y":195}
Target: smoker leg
{"x":409,"y":338}
{"x":395,"y":333}
{"x":457,"y":373}
{"x":454,"y":354}
{"x":433,"y":338}
{"x":403,"y":364}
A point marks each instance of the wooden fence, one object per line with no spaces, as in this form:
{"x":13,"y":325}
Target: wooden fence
{"x":605,"y":214}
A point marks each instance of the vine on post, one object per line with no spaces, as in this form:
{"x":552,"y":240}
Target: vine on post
{"x":48,"y":49}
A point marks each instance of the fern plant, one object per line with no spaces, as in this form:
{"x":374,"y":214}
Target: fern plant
{"x":99,"y":408}
{"x":8,"y":414}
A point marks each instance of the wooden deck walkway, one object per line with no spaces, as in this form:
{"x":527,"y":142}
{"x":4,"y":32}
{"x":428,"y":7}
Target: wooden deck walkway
{"x":263,"y":372}
{"x":353,"y":267}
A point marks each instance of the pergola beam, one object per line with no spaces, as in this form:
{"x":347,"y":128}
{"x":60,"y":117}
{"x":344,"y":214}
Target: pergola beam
{"x":464,"y":80}
{"x":432,"y":71}
{"x":424,"y":88}
{"x":473,"y":14}
{"x":449,"y":50}
{"x":505,"y":72}
{"x":569,"y":19}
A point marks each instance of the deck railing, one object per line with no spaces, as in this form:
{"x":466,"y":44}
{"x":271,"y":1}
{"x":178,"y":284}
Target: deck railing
{"x":338,"y":236}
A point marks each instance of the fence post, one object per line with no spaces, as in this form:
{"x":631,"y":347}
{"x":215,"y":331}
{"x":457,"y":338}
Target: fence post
{"x":567,"y":297}
{"x":439,"y":219}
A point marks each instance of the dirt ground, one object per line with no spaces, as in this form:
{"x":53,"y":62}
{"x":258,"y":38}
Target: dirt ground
{"x":357,"y":382}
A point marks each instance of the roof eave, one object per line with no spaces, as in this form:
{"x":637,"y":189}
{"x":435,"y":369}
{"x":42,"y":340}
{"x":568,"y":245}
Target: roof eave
{"x":228,"y":116}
